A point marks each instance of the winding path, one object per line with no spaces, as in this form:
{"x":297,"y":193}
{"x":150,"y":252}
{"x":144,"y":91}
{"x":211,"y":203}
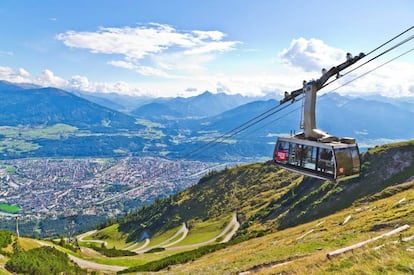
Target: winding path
{"x":183,"y":230}
{"x":92,"y":265}
{"x":228,"y":232}
{"x":142,"y":247}
{"x":145,"y":237}
{"x":233,"y":225}
{"x":87,"y":234}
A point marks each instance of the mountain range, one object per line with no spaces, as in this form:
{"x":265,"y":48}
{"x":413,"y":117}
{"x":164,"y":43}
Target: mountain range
{"x":176,"y":127}
{"x":49,"y":106}
{"x":201,"y":106}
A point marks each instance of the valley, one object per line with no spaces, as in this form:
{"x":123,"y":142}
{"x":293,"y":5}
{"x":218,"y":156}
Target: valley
{"x":98,"y":188}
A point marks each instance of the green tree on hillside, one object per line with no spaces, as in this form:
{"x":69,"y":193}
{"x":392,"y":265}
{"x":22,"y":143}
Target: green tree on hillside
{"x":5,"y":238}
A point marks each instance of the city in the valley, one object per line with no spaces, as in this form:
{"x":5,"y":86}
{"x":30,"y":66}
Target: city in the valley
{"x":48,"y":187}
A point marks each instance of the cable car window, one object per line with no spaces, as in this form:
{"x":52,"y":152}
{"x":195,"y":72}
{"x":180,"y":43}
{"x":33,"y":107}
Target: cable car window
{"x":309,"y":157}
{"x":325,"y":162}
{"x":356,"y":162}
{"x":294,"y":154}
{"x":344,"y":162}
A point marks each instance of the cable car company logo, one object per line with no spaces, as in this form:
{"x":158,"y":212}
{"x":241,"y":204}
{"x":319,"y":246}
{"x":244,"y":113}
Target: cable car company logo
{"x":281,"y":155}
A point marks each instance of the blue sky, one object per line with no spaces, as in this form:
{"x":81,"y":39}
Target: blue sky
{"x":183,"y":48}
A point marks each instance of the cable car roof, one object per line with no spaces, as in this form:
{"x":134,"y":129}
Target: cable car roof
{"x":327,"y":145}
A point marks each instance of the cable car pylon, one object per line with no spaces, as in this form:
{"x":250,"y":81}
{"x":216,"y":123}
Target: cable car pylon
{"x":314,"y":152}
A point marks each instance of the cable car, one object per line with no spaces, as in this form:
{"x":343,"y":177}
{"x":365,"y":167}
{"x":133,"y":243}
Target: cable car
{"x":328,"y":161}
{"x":313,"y":152}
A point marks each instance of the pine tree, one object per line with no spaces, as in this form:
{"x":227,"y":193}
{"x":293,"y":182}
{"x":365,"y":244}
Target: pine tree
{"x":17,"y":249}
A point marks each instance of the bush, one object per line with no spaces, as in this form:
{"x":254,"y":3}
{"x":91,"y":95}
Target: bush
{"x":5,"y":238}
{"x":113,"y":252}
{"x":156,"y":249}
{"x":42,"y":260}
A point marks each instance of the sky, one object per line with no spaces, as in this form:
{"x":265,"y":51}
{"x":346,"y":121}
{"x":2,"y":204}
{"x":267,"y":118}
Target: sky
{"x":183,"y":48}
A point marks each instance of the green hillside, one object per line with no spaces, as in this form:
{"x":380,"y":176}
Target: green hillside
{"x":303,"y":249}
{"x":267,"y":198}
{"x":245,"y":190}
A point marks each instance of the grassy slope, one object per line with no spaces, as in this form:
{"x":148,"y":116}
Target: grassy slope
{"x":4,"y":271}
{"x":3,"y":261}
{"x":245,"y":190}
{"x":307,"y":245}
{"x":111,"y":235}
{"x":200,"y":231}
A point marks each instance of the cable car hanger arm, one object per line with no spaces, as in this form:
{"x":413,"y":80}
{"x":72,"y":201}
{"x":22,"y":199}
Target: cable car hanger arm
{"x":325,"y":76}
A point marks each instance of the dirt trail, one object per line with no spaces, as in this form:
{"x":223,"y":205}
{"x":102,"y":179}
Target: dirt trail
{"x":183,"y":230}
{"x":142,"y":247}
{"x":233,"y":224}
{"x":87,"y":234}
{"x":230,"y":230}
{"x":92,"y":265}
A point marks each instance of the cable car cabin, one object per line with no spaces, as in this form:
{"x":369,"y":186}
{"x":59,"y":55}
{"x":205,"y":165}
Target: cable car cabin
{"x":329,"y":161}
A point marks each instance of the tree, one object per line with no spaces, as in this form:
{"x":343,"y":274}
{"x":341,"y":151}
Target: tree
{"x":17,"y":249}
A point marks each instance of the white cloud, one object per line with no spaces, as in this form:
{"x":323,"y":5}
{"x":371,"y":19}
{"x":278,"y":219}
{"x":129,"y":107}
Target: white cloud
{"x":185,"y":73}
{"x":411,"y":90}
{"x":122,"y":64}
{"x":393,"y":80}
{"x":82,"y":83}
{"x":19,"y":76}
{"x":213,"y":35}
{"x":210,"y":47}
{"x":22,"y":72}
{"x":136,"y":43}
{"x":154,"y":46}
{"x":48,"y":79}
{"x":311,"y":55}
{"x":78,"y":82}
{"x":150,"y":71}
